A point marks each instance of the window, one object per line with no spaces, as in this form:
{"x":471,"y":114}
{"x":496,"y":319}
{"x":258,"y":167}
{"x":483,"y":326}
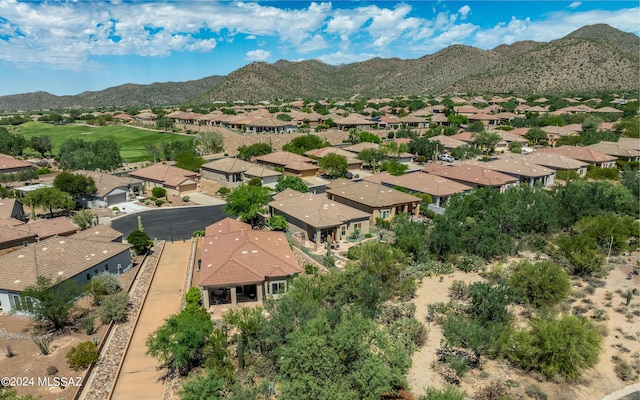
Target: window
{"x":343,"y":231}
{"x":277,"y":287}
{"x":88,"y":277}
{"x":22,"y":304}
{"x":106,"y":267}
{"x":358,"y":226}
{"x":385,"y":214}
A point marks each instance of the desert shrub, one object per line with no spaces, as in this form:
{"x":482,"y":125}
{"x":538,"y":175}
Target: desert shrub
{"x":470,"y":263}
{"x":159,"y":202}
{"x":541,"y":284}
{"x":448,"y":393}
{"x":560,"y":347}
{"x":82,"y":355}
{"x":535,"y":392}
{"x":410,"y":332}
{"x":368,"y":235}
{"x":43,"y":343}
{"x":407,"y":289}
{"x":186,"y":198}
{"x":52,"y":370}
{"x":88,"y":324}
{"x":114,"y":308}
{"x":494,"y":391}
{"x":103,"y":284}
{"x":193,"y":298}
{"x":159,"y":192}
{"x":310,"y":269}
{"x":459,"y":290}
{"x":224,"y":190}
{"x":9,"y":351}
{"x":623,"y":370}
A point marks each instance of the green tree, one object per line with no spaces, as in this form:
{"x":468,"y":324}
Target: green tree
{"x":41,"y":144}
{"x":102,"y":154}
{"x":74,"y":184}
{"x":302,"y":144}
{"x":369,"y":137}
{"x":53,"y":301}
{"x":291,"y":182}
{"x":536,"y":136}
{"x":50,"y":198}
{"x":254,"y":150}
{"x":465,"y":152}
{"x":198,"y":387}
{"x":486,"y":141}
{"x":247,"y":202}
{"x":422,"y":146}
{"x":103,"y":284}
{"x":83,"y":218}
{"x":541,"y":284}
{"x":164,"y":123}
{"x":334,"y":165}
{"x":189,"y":160}
{"x":179,"y":341}
{"x":140,"y":241}
{"x":561,"y":347}
{"x":475,"y":126}
{"x":11,"y":144}
{"x":393,"y":167}
{"x":278,"y":223}
{"x":372,"y":157}
{"x":210,"y":142}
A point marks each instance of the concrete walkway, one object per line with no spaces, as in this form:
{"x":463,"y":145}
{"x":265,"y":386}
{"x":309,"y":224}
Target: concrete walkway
{"x":140,"y":376}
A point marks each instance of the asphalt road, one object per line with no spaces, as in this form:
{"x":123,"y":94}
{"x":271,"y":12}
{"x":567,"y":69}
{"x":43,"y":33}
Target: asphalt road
{"x":170,"y":224}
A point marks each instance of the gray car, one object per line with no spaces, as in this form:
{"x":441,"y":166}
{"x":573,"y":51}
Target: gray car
{"x":446,"y":158}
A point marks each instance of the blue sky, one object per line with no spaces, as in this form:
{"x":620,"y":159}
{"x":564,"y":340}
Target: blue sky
{"x":67,"y":47}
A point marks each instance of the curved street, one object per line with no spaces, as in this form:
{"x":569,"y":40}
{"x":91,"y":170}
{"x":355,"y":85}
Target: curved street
{"x":170,"y":224}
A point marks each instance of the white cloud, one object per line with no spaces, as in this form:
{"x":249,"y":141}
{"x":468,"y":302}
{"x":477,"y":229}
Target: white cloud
{"x":464,"y":11}
{"x":258,"y":55}
{"x":339,"y":57}
{"x":575,"y":4}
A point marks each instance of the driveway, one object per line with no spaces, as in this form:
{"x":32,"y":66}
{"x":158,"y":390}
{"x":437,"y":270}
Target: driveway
{"x":170,"y":224}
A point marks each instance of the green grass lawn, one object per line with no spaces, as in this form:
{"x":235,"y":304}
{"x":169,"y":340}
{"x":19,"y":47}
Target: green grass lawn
{"x":131,"y":140}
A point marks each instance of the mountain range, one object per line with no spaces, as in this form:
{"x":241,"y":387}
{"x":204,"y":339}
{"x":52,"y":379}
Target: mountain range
{"x":595,"y":58}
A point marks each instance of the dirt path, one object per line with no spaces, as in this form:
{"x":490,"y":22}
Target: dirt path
{"x":140,"y":377}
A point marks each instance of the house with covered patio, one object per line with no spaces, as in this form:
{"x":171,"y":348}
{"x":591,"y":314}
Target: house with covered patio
{"x":318,"y":217}
{"x":239,"y":264}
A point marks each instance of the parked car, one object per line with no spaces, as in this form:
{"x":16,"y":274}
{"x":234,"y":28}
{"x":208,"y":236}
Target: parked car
{"x":446,"y":158}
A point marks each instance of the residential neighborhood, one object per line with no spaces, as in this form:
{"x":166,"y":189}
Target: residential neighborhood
{"x":367,"y":209}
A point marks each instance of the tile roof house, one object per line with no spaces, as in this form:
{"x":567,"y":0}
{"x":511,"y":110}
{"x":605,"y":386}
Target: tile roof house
{"x":271,"y":125}
{"x":585,"y":154}
{"x":448,"y":142}
{"x":557,"y":162}
{"x":45,"y":228}
{"x":240,"y":264}
{"x":629,"y":143}
{"x":111,"y":189}
{"x":520,"y":168}
{"x":373,"y":198}
{"x":353,"y":120}
{"x":291,"y":163}
{"x":352,"y":161}
{"x":472,"y":175}
{"x":232,"y":172}
{"x":171,"y":178}
{"x":317,"y":216}
{"x":440,"y":189}
{"x":617,"y":150}
{"x":10,"y":165}
{"x":11,"y":209}
{"x":57,"y":258}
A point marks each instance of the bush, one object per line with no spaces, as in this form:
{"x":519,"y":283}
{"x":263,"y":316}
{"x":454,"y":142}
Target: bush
{"x":541,"y":284}
{"x":224,"y":190}
{"x":159,"y":192}
{"x":193,"y":298}
{"x":43,"y":343}
{"x":534,"y":392}
{"x":186,"y":198}
{"x":558,"y":347}
{"x":159,"y":202}
{"x":89,"y":325}
{"x":114,"y":308}
{"x":52,"y":370}
{"x":82,"y":355}
{"x":448,"y":393}
{"x":102,"y":285}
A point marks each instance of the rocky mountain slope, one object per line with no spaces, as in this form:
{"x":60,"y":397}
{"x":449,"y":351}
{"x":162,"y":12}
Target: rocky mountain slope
{"x":592,"y":59}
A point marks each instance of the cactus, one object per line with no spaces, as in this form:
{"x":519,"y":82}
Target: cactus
{"x":629,"y":297}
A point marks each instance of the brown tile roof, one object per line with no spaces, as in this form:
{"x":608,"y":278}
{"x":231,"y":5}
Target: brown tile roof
{"x":261,"y":172}
{"x":471,"y":174}
{"x":99,"y":233}
{"x":233,"y":254}
{"x":314,"y":209}
{"x":514,"y":166}
{"x":630,"y":143}
{"x":228,"y":165}
{"x":580,"y":153}
{"x":282,"y":158}
{"x":555,"y":161}
{"x":353,"y":119}
{"x":106,"y":183}
{"x":6,"y":207}
{"x":12,"y":233}
{"x":8,"y":162}
{"x":448,"y":142}
{"x":10,"y":222}
{"x":422,"y":183}
{"x":357,"y":148}
{"x":56,"y":257}
{"x":370,"y":194}
{"x":163,"y":173}
{"x":614,"y":149}
{"x":45,"y":228}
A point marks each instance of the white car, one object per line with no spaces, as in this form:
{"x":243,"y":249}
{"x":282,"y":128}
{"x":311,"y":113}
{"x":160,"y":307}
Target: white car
{"x":446,"y":158}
